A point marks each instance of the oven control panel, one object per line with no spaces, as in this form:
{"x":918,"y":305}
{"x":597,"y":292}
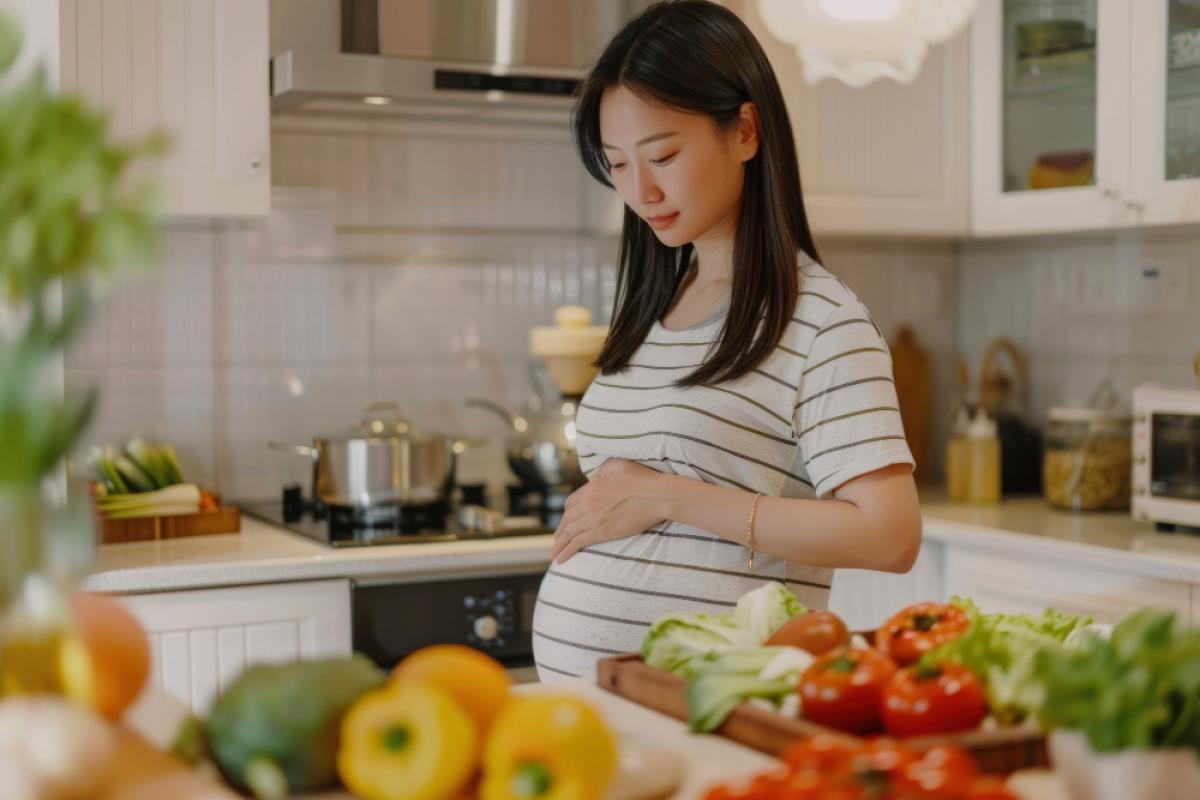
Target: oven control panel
{"x":493,"y":614}
{"x":492,"y":617}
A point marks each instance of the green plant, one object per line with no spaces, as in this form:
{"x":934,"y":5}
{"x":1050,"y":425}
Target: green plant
{"x":71,"y":216}
{"x":1139,"y":688}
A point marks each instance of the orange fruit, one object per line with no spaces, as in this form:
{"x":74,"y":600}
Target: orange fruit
{"x":477,"y":681}
{"x":117,"y":648}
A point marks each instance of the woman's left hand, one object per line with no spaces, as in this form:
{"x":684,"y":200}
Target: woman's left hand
{"x":619,"y":500}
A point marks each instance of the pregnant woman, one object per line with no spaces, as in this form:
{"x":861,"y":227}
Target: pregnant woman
{"x":744,"y":426}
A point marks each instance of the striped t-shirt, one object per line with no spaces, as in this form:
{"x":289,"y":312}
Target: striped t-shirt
{"x":818,"y":412}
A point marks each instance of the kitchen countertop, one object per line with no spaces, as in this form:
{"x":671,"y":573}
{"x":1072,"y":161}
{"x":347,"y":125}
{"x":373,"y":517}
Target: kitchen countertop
{"x":265,"y":553}
{"x":1028,"y":526}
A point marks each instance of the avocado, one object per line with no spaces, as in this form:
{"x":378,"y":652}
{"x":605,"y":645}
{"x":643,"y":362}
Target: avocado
{"x":275,"y":731}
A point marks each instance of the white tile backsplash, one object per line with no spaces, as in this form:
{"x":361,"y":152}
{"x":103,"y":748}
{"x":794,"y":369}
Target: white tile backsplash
{"x":407,"y":262}
{"x":1083,"y":309}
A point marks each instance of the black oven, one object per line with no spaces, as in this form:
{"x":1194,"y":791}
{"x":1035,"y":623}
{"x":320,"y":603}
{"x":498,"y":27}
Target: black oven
{"x":493,"y":614}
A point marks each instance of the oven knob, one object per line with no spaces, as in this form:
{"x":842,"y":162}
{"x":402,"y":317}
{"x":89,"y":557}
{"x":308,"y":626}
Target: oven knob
{"x":1139,"y":460}
{"x":486,"y":627}
{"x":1139,"y":490}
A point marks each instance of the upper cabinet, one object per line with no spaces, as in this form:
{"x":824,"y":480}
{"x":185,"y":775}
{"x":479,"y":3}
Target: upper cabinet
{"x":1085,"y":115}
{"x":196,"y":69}
{"x":885,"y":159}
{"x":1166,"y":112}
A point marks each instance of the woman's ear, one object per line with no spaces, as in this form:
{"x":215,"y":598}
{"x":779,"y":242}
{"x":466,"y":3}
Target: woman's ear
{"x":746,"y":132}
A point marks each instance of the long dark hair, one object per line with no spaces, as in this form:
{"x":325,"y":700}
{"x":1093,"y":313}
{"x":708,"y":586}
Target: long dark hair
{"x":698,"y":57}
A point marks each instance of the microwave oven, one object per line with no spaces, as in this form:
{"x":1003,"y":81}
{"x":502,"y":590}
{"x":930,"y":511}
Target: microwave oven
{"x":1166,"y":456}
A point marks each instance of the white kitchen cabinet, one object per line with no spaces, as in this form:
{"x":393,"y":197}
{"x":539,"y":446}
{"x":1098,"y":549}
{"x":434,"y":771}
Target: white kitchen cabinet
{"x":1165,"y":185}
{"x":201,"y":640}
{"x":1026,"y":107}
{"x":887,"y":159}
{"x":1119,"y":100}
{"x":195,"y":69}
{"x":1007,"y":584}
{"x":864,"y":598}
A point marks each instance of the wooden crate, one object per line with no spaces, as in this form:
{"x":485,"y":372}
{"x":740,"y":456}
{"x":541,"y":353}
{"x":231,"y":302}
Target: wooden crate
{"x":225,"y":519}
{"x":999,"y":751}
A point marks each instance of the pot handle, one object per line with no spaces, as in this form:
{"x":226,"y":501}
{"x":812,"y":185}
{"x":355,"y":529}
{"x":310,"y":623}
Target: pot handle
{"x":495,"y":408}
{"x":298,"y":449}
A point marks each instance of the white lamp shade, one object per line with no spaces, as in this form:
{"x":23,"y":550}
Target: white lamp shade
{"x":860,"y":41}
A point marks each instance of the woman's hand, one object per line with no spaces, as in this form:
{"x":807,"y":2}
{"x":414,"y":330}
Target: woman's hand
{"x":620,"y":500}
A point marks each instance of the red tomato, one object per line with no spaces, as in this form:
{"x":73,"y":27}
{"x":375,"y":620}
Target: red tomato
{"x":882,"y":755}
{"x":844,"y":688}
{"x":918,"y":629}
{"x":770,"y":783}
{"x":818,"y":632}
{"x":919,"y":701}
{"x":821,"y":752}
{"x":741,"y":790}
{"x":812,"y":784}
{"x":988,"y":787}
{"x":944,"y":772}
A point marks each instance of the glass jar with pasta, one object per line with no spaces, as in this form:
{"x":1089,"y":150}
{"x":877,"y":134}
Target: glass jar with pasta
{"x":1087,"y":459}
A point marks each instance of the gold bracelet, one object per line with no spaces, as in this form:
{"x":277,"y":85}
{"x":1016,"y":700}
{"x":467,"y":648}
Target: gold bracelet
{"x":750,"y":530}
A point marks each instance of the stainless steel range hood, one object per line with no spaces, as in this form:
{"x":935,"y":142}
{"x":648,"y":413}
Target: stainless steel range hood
{"x":515,"y":60}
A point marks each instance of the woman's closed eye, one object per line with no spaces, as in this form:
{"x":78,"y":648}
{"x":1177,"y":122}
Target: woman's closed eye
{"x":658,"y":162}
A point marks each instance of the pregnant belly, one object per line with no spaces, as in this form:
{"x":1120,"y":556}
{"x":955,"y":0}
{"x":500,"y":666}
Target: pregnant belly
{"x":604,"y":599}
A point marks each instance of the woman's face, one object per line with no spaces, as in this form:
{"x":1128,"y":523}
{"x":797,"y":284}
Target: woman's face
{"x":675,"y":169}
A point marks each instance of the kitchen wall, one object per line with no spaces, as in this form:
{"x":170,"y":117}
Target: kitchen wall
{"x":1120,"y":306}
{"x":407,"y":262}
{"x":403,"y":262}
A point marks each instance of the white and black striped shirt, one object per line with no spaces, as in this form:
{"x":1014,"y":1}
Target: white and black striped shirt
{"x":818,"y":412}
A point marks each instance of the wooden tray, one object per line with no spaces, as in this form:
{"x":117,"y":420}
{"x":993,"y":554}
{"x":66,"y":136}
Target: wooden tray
{"x":225,"y":519}
{"x":999,"y":751}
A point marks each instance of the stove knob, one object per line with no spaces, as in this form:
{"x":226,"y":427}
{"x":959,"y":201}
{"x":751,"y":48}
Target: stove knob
{"x":486,"y":627}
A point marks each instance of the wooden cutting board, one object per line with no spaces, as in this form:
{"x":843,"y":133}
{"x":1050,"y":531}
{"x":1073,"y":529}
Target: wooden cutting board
{"x":1000,"y":751}
{"x":226,"y":519}
{"x":141,"y":771}
{"x":910,"y":366}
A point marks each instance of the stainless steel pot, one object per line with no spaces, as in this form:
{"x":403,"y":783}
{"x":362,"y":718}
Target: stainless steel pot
{"x":381,"y":461}
{"x":540,"y":448}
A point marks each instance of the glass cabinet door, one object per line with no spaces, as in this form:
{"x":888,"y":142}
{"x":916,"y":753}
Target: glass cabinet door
{"x":1165,"y":118}
{"x":1050,"y":121}
{"x":1049,"y":103}
{"x":1182,"y":65}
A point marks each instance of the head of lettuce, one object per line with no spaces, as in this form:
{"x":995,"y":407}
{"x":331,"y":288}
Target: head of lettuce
{"x":676,"y":640}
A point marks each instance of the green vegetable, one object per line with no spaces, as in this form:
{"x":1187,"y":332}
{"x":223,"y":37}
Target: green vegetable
{"x":135,"y":477}
{"x":141,"y":467}
{"x":765,"y":609}
{"x":676,"y":639}
{"x":182,"y":498}
{"x":276,"y":730}
{"x":1139,"y":689}
{"x":1002,"y":649}
{"x":149,"y":461}
{"x":719,"y":682}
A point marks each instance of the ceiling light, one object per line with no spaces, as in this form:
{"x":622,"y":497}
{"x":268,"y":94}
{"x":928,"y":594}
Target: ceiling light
{"x":860,"y":41}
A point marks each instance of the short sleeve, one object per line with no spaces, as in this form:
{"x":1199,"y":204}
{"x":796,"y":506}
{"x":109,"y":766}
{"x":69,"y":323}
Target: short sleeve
{"x":846,"y":416}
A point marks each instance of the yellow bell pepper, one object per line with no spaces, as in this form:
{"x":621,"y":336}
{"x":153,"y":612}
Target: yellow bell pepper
{"x":548,"y":747}
{"x":407,"y":741}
